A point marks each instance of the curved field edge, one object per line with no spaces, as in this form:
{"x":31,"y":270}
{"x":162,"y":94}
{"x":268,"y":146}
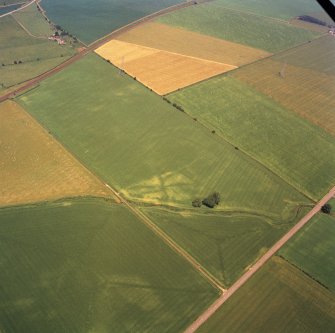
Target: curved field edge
{"x":279,"y":298}
{"x":135,"y":156}
{"x":224,"y":244}
{"x":86,"y":265}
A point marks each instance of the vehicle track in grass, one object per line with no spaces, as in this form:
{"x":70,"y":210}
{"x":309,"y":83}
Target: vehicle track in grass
{"x":260,"y":263}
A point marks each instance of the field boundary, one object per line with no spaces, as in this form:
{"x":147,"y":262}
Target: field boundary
{"x":255,"y":267}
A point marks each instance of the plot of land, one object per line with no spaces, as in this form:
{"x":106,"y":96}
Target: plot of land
{"x":287,"y":144}
{"x":313,"y":250}
{"x":32,"y":56}
{"x":123,"y":141}
{"x":306,"y":85}
{"x":33,"y":166}
{"x":225,"y":244}
{"x":161,"y":71}
{"x":239,"y":27}
{"x":279,"y":299}
{"x":91,"y":266}
{"x":185,"y":42}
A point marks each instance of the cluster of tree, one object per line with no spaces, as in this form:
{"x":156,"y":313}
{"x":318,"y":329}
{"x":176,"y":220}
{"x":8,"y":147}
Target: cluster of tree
{"x":210,"y":201}
{"x":314,"y":20}
{"x":327,"y":208}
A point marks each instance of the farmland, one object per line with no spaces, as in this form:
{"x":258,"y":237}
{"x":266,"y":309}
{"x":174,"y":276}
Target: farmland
{"x":91,"y":266}
{"x":130,"y":151}
{"x":92,"y":20}
{"x":287,"y":144}
{"x":279,"y":298}
{"x":33,"y":166}
{"x":35,"y":54}
{"x":161,"y":71}
{"x":225,"y":244}
{"x":313,"y":250}
{"x":258,"y":32}
{"x":306,"y":85}
{"x":185,"y":42}
{"x":284,"y":9}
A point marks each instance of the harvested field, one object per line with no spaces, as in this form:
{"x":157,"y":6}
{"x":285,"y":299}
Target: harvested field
{"x":161,"y":71}
{"x":185,"y":42}
{"x":313,"y":250}
{"x":34,"y":167}
{"x":277,"y":299}
{"x":91,"y":266}
{"x":307,"y":92}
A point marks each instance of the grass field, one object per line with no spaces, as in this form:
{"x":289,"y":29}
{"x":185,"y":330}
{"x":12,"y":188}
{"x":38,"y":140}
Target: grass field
{"x":225,"y":244}
{"x":168,"y":38}
{"x":287,"y":144}
{"x":36,"y":54}
{"x":283,"y":9}
{"x":161,"y":71}
{"x":92,"y":20}
{"x":33,"y":21}
{"x":278,"y":299}
{"x":258,"y":32}
{"x":123,"y":142}
{"x":33,"y":166}
{"x":91,"y":266}
{"x":313,"y":250}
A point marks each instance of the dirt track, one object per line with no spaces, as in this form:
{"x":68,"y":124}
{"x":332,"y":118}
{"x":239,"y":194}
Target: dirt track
{"x":253,"y":269}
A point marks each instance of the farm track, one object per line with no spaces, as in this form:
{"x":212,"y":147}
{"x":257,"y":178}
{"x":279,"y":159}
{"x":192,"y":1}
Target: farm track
{"x":260,"y":263}
{"x":17,"y":10}
{"x":26,"y":30}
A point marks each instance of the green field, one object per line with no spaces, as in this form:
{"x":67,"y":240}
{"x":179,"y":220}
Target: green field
{"x":32,"y":19}
{"x":259,"y":32}
{"x":91,"y":266}
{"x":278,"y":299}
{"x":225,"y":244}
{"x":313,"y":250}
{"x":283,"y":9}
{"x":279,"y":139}
{"x":36,"y":54}
{"x":114,"y":126}
{"x":90,"y":20}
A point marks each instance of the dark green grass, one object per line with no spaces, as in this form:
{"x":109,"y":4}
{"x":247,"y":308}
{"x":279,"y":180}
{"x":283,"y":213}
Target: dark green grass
{"x":283,"y":9}
{"x":259,"y":32}
{"x":36,"y":54}
{"x":90,"y":20}
{"x":278,"y":299}
{"x":145,"y":148}
{"x":91,"y":266}
{"x":287,"y":144}
{"x":225,"y":244}
{"x":313,"y":250}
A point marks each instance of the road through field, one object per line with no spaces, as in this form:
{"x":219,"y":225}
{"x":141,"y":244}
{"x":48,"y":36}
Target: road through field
{"x":254,"y":268}
{"x":20,"y":8}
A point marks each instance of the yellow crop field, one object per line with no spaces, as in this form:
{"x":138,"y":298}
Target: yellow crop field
{"x":34,"y":167}
{"x":176,"y":40}
{"x":161,"y":71}
{"x":306,"y":91}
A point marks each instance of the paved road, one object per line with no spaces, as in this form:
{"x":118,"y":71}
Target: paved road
{"x":253,"y":269}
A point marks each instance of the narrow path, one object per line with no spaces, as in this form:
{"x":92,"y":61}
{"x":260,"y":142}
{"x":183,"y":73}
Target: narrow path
{"x":25,"y":29}
{"x":17,"y":10}
{"x":254,"y":268}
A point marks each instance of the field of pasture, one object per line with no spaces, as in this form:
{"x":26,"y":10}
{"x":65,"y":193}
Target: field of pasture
{"x":279,"y":139}
{"x":313,"y":250}
{"x":91,"y":266}
{"x":225,"y":244}
{"x":114,"y":126}
{"x":185,"y":42}
{"x":35,"y":54}
{"x":279,"y":298}
{"x":92,"y":20}
{"x":161,"y":71}
{"x":259,"y":32}
{"x":34,"y":167}
{"x":306,"y":85}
